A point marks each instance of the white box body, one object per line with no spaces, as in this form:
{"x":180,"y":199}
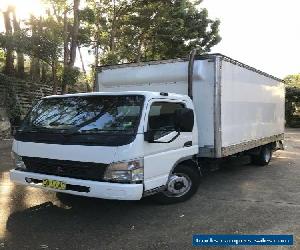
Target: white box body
{"x":237,"y":107}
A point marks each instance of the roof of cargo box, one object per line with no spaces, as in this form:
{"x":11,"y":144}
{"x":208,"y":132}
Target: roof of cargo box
{"x":197,"y":57}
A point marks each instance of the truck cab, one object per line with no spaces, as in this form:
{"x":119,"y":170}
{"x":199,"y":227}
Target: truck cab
{"x":118,"y":145}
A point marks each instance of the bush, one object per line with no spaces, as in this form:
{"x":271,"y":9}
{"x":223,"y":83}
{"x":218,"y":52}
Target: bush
{"x":292,"y":102}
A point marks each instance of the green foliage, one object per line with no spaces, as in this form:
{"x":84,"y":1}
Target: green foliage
{"x":292,"y":80}
{"x":70,"y":75}
{"x":118,"y":30}
{"x":131,"y":31}
{"x":42,"y":41}
{"x":2,"y":56}
{"x":292,"y":100}
{"x":292,"y":104}
{"x":46,"y":42}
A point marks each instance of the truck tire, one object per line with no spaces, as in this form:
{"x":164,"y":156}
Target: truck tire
{"x":67,"y":199}
{"x":264,"y":156}
{"x":182,"y":185}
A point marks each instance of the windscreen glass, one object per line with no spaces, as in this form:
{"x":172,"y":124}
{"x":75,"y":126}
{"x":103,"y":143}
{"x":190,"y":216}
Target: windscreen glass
{"x":86,"y":114}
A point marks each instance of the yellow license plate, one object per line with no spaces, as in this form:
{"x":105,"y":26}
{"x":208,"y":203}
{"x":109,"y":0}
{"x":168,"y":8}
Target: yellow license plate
{"x":54,"y":184}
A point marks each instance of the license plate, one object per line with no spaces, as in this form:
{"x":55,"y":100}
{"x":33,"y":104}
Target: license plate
{"x":54,"y":184}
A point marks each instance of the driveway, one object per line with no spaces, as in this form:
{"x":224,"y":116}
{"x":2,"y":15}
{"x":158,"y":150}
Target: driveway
{"x":240,"y":199}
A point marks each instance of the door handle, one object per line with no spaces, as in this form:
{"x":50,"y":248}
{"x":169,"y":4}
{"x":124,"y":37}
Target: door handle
{"x":188,"y":144}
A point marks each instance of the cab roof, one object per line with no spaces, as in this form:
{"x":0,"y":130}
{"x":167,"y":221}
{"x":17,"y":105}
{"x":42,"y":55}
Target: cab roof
{"x":147,"y":94}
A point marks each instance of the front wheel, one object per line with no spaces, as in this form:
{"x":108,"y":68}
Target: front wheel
{"x":181,"y":186}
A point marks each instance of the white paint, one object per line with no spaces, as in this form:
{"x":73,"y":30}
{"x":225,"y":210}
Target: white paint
{"x":160,"y":158}
{"x":98,"y":189}
{"x":170,"y":78}
{"x":252,"y":105}
{"x":175,"y":72}
{"x":98,"y":154}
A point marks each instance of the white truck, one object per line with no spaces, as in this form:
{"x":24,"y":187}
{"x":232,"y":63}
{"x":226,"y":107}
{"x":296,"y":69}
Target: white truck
{"x":150,"y":128}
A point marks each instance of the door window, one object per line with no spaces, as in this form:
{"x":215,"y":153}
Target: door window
{"x":162,"y":117}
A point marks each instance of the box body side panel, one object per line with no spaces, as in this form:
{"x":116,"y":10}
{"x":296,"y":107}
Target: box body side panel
{"x":252,"y":105}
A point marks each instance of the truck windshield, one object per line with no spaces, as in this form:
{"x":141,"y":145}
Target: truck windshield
{"x":86,"y":114}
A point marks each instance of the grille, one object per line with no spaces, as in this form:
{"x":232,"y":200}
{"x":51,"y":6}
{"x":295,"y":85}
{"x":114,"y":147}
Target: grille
{"x":72,"y":169}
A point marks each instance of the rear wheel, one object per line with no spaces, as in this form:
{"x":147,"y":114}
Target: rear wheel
{"x":264,"y":156}
{"x":182,"y":184}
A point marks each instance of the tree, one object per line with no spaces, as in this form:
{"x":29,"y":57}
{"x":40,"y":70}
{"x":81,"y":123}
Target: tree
{"x":115,"y":30}
{"x":174,"y":30}
{"x":292,"y":99}
{"x":54,"y":35}
{"x":70,"y":45}
{"x":131,"y":31}
{"x":20,"y":55}
{"x":36,"y":29}
{"x":9,"y":57}
{"x":292,"y":103}
{"x":292,"y":80}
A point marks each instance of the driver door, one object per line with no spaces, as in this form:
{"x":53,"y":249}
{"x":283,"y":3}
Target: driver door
{"x":169,"y":148}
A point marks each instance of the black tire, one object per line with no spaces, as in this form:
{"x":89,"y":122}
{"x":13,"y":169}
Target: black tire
{"x":190,"y":174}
{"x":67,"y":199}
{"x":264,"y":156}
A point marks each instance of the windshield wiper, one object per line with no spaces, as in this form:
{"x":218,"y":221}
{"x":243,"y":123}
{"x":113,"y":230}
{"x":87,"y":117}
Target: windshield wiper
{"x":81,"y":125}
{"x":36,"y":129}
{"x":102,"y":131}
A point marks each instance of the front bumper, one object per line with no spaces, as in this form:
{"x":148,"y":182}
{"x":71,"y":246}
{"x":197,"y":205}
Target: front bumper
{"x":104,"y":190}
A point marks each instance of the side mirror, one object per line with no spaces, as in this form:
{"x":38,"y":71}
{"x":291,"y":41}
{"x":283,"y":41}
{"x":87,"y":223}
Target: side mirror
{"x":184,"y":120}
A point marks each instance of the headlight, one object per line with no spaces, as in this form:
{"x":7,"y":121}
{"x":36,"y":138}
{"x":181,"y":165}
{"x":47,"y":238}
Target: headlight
{"x":18,"y":162}
{"x":131,"y":171}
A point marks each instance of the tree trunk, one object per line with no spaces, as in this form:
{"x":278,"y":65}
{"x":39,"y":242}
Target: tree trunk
{"x":20,"y":55}
{"x":96,"y":55}
{"x":75,"y":31}
{"x":66,"y":51}
{"x":35,"y":70}
{"x":88,"y":88}
{"x":9,"y":62}
{"x":9,"y":59}
{"x":97,"y":45}
{"x":20,"y":65}
{"x":66,"y":40}
{"x":113,"y":29}
{"x":34,"y":62}
{"x":140,"y":48}
{"x":54,"y":77}
{"x":70,"y":54}
{"x":44,"y":72}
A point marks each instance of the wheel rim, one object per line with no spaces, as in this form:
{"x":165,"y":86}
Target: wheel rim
{"x":179,"y":184}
